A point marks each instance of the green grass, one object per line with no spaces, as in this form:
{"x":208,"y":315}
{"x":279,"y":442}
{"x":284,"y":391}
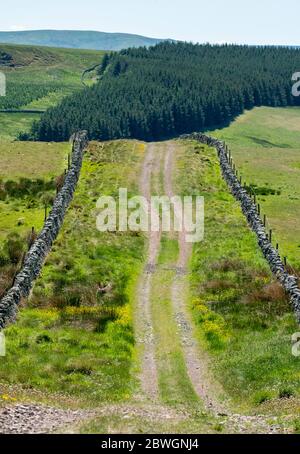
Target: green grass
{"x":11,"y":124}
{"x":41,"y":77}
{"x":242,"y":316}
{"x":70,"y":338}
{"x":265,"y":144}
{"x":169,"y":250}
{"x":34,"y":161}
{"x":151,"y":421}
{"x":174,"y":384}
{"x":44,"y":352}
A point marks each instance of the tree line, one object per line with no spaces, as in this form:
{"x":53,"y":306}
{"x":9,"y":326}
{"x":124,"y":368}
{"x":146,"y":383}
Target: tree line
{"x":173,"y":88}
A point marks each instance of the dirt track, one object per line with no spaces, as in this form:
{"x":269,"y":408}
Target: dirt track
{"x":157,"y":176}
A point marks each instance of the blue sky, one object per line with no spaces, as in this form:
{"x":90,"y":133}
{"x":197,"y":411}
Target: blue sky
{"x":216,"y":21}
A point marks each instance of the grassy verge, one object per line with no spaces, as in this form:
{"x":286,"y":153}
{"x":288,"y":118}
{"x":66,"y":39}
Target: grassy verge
{"x":150,"y":421}
{"x":265,"y":144}
{"x":242,"y":315}
{"x":75,"y":334}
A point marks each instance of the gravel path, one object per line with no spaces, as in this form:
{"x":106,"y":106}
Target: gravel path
{"x":38,"y":419}
{"x":143,"y":319}
{"x":179,"y":294}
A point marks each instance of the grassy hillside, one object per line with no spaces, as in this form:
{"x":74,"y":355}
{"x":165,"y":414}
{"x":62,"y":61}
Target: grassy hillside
{"x":77,"y":39}
{"x":12,"y":124}
{"x":265,"y":144}
{"x":38,"y":78}
{"x":172,"y":89}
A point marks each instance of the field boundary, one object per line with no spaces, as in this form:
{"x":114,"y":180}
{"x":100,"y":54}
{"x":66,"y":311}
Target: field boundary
{"x":35,"y":257}
{"x":24,"y":111}
{"x":249,"y":208}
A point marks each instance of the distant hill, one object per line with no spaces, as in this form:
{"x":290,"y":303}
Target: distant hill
{"x":77,"y":39}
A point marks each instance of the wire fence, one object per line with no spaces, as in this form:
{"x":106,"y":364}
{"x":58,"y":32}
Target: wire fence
{"x":250,"y":188}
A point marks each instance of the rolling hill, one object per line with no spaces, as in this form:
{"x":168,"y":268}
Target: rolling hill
{"x":77,"y":39}
{"x":38,"y":77}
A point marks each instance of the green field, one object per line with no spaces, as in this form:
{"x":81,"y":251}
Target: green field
{"x":32,"y":161}
{"x":12,"y":124}
{"x":39,"y":77}
{"x":265,"y":144}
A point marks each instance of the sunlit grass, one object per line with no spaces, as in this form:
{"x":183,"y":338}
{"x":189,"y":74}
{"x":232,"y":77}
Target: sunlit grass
{"x":70,"y":337}
{"x":265,"y":144}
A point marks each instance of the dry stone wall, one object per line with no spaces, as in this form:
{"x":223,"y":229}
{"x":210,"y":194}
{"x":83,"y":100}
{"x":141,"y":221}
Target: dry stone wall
{"x":289,"y":282}
{"x":35,"y":257}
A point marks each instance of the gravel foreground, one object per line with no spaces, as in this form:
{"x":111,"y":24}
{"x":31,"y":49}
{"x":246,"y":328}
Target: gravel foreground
{"x":37,"y":419}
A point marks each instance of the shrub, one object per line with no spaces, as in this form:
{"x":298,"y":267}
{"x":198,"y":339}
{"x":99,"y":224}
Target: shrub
{"x":25,"y":187}
{"x":213,"y":325}
{"x":217,"y":285}
{"x":286,"y":393}
{"x":262,"y":396}
{"x":107,"y":315}
{"x":297,"y":426}
{"x":14,"y":247}
{"x":271,"y":298}
{"x":226,"y":265}
{"x":4,"y":260}
{"x":43,"y":338}
{"x":6,"y":278}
